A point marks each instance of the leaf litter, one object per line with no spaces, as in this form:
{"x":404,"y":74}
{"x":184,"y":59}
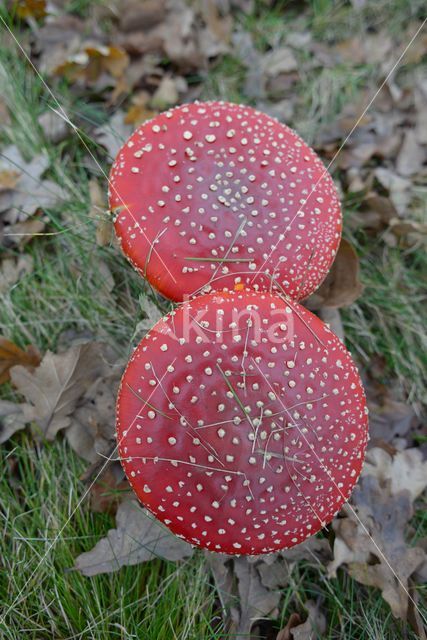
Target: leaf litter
{"x":154,"y":56}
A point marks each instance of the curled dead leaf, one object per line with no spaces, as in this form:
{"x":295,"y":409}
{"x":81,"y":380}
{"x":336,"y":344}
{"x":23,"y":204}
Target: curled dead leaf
{"x":341,"y":286}
{"x":313,"y":628}
{"x":11,"y":355}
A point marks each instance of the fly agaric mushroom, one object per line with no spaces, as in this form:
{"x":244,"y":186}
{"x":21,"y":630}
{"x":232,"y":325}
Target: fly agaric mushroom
{"x":208,"y":195}
{"x":242,"y":422}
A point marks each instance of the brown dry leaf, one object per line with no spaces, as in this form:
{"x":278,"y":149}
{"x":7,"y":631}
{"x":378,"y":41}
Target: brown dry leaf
{"x":12,"y":418}
{"x":214,"y":38}
{"x":57,"y":384}
{"x":92,"y":429}
{"x":389,"y":420}
{"x":165,"y":96}
{"x":405,"y":470}
{"x":30,"y":8}
{"x":277,"y":61}
{"x":9,"y":179}
{"x":113,"y":134}
{"x":11,"y":355}
{"x":139,"y":111}
{"x":399,"y":188}
{"x":254,"y":599}
{"x":12,"y":270}
{"x":99,"y":212}
{"x":377,"y":531}
{"x":182,"y":34}
{"x":91,"y":61}
{"x":376,"y":212}
{"x":313,"y":628}
{"x":136,"y":15}
{"x":275,"y":570}
{"x":30,"y":192}
{"x":341,"y":286}
{"x":139,"y":537}
{"x":411,"y":155}
{"x":285,"y":633}
{"x":405,"y":233}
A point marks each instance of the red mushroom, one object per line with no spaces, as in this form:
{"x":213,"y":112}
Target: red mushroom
{"x":242,"y":422}
{"x":208,"y":195}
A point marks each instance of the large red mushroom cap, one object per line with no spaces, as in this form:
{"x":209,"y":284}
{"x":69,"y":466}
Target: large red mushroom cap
{"x":208,"y":195}
{"x":242,"y":422}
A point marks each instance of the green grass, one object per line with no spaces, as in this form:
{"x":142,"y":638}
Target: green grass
{"x":47,"y":599}
{"x":50,"y":600}
{"x":68,"y":292}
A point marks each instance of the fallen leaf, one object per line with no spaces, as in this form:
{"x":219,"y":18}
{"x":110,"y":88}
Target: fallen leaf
{"x":255,"y":600}
{"x":277,"y":61}
{"x":405,"y":470}
{"x":375,"y":529}
{"x":136,"y":15}
{"x":165,"y":96}
{"x":390,"y":419}
{"x":13,"y":418}
{"x":411,"y":155}
{"x":139,"y":111}
{"x":139,"y":537}
{"x":30,"y":8}
{"x":8,"y":179}
{"x":11,"y":355}
{"x":91,"y":61}
{"x":30,"y":192}
{"x":91,"y":432}
{"x":151,"y":312}
{"x":13,"y":269}
{"x":341,"y":286}
{"x":275,"y":570}
{"x":113,"y":134}
{"x":399,"y":188}
{"x":56,"y":385}
{"x":285,"y":633}
{"x":313,"y":627}
{"x":406,"y":233}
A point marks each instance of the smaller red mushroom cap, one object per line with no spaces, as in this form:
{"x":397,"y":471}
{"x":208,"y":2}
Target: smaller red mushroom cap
{"x":242,"y":422}
{"x":208,"y":195}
